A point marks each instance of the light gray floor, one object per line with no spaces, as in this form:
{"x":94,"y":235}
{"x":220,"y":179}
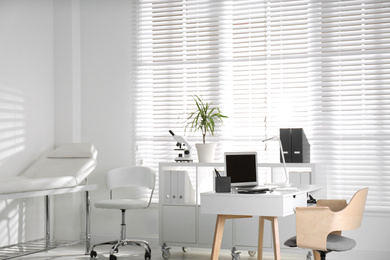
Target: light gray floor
{"x":77,"y":253}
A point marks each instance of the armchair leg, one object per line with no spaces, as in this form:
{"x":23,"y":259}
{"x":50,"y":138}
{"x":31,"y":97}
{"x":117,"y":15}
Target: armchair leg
{"x":317,"y":255}
{"x":322,"y":254}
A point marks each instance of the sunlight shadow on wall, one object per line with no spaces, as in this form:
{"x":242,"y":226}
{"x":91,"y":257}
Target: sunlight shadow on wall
{"x":9,"y":222}
{"x":12,"y":141}
{"x":12,"y":121}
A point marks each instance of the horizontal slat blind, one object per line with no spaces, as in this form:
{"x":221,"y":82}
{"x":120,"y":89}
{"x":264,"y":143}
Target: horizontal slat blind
{"x":351,"y":131}
{"x":179,"y":57}
{"x":322,"y":66}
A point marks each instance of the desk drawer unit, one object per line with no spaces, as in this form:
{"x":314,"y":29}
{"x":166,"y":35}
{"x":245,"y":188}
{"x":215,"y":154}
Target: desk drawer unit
{"x":278,"y":203}
{"x":293,"y":201}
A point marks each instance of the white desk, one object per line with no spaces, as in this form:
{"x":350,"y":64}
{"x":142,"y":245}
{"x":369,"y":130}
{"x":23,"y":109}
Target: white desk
{"x":268,"y":206}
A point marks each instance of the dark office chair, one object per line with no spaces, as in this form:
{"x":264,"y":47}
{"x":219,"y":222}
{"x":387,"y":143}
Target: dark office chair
{"x":138,"y":181}
{"x":319,"y":228}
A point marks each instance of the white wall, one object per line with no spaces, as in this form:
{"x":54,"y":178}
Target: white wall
{"x":26,"y":105}
{"x":93,"y":75}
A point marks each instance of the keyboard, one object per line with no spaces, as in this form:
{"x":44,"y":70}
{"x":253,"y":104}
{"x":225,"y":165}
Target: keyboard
{"x":254,"y":190}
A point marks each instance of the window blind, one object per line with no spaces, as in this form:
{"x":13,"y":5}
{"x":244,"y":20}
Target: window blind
{"x":321,"y":66}
{"x":351,"y":132}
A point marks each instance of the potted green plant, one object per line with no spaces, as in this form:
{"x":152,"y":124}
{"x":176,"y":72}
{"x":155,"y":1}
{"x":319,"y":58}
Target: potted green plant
{"x":204,"y":119}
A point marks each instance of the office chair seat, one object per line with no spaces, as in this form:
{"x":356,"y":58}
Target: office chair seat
{"x":333,"y":243}
{"x":122,"y":204}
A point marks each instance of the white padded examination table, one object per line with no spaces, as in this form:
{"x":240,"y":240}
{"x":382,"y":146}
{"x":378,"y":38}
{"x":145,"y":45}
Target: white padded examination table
{"x":63,"y":170}
{"x":67,"y":166}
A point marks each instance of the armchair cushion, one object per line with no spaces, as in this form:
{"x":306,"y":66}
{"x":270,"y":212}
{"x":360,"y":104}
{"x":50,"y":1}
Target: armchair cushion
{"x":333,"y":243}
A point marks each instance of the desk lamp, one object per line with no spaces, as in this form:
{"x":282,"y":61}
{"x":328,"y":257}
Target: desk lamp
{"x":287,"y":182}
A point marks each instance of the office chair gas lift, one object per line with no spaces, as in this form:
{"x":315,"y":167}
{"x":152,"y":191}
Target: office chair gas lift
{"x":319,"y":228}
{"x":138,"y":183}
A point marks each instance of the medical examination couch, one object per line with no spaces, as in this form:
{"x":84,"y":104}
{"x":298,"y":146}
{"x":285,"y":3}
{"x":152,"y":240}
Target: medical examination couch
{"x":62,"y":170}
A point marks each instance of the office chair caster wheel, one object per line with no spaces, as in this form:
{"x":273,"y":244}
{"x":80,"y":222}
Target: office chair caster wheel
{"x":166,"y":254}
{"x":93,"y":254}
{"x":235,"y":255}
{"x":112,"y":257}
{"x":147,"y":256}
{"x":165,"y":251}
{"x":252,"y":253}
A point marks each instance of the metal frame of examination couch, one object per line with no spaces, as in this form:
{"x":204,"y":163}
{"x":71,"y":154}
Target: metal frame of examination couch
{"x":46,"y":243}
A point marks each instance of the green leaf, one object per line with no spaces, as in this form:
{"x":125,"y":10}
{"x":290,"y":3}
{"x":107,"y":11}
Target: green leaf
{"x":205,"y":118}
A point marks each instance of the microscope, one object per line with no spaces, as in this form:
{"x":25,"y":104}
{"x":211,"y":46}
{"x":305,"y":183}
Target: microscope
{"x":184,"y":148}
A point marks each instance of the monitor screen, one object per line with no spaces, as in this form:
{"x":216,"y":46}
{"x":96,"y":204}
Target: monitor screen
{"x":242,"y":168}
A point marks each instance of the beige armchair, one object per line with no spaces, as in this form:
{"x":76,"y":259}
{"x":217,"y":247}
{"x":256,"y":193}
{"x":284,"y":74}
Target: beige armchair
{"x":319,"y":228}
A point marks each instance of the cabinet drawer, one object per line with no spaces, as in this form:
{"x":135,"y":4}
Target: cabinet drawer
{"x":178,"y":224}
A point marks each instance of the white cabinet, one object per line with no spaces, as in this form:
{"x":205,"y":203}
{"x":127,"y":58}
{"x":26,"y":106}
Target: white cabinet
{"x":182,"y":224}
{"x":179,"y":224}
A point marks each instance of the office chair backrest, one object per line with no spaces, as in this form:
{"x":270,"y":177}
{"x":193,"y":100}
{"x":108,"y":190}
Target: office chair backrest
{"x":135,"y":182}
{"x":351,"y":216}
{"x":137,"y":176}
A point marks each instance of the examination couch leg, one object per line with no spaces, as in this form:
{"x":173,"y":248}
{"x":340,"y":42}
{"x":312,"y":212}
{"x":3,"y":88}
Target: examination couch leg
{"x":47,"y":220}
{"x":87,"y":223}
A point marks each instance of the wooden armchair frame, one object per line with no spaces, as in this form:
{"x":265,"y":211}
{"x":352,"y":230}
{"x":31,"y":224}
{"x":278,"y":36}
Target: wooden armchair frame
{"x":314,"y":224}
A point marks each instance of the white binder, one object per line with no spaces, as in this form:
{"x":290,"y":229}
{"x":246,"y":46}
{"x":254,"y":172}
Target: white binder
{"x":185,"y":190}
{"x":174,"y":187}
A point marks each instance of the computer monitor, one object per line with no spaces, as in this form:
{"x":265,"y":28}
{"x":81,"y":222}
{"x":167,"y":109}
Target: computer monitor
{"x":242,"y":168}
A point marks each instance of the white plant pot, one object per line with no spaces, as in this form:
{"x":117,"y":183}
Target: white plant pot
{"x":206,"y":152}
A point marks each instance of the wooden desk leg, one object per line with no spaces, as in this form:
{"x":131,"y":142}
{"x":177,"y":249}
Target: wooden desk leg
{"x":219,"y":226}
{"x":275,"y":235}
{"x":275,"y":231}
{"x":260,"y":239}
{"x":218,"y":235}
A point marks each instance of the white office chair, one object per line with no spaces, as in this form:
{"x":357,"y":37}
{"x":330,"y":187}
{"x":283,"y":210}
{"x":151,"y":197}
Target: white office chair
{"x":137,"y":181}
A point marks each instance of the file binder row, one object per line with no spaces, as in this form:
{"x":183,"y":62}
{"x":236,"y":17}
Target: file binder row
{"x":178,"y":188}
{"x":296,"y":147}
